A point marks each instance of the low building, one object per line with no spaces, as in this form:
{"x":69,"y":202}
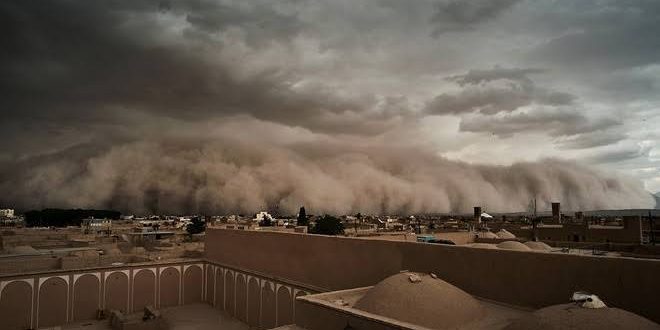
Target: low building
{"x":6,"y":213}
{"x":629,"y":232}
{"x":96,"y":226}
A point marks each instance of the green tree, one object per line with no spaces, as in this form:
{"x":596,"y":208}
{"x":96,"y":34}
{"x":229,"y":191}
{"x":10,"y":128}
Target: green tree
{"x":196,"y":226}
{"x":302,"y":217}
{"x":328,"y":225}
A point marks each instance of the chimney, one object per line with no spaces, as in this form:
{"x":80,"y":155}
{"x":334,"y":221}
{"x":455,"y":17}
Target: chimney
{"x":477,"y":214}
{"x":556,"y":215}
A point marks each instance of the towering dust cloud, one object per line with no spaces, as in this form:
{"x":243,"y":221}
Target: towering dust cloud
{"x":236,"y":106}
{"x":217,"y":177}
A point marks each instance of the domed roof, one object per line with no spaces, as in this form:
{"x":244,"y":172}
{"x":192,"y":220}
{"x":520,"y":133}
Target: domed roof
{"x":572,"y":316}
{"x":513,"y":245}
{"x":486,"y":234}
{"x":483,"y":245}
{"x":538,"y":246}
{"x":503,"y":233}
{"x":422,"y":300}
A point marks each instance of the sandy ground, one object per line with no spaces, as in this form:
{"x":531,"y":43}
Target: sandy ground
{"x":188,"y":317}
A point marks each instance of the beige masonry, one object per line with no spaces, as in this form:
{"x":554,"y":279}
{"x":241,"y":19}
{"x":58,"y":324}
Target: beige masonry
{"x":59,"y":297}
{"x":256,"y":276}
{"x":529,"y":279}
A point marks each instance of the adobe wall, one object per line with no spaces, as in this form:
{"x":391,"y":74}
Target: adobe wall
{"x":260,"y":301}
{"x":459,"y":237}
{"x":29,"y":264}
{"x":55,"y":298}
{"x":530,"y":279}
{"x":329,"y":263}
{"x":319,"y":317}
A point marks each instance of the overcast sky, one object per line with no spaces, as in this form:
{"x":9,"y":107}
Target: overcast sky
{"x":488,"y":82}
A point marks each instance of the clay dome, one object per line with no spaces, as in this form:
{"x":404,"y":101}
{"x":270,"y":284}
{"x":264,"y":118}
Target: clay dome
{"x":486,"y":234}
{"x":503,"y":233}
{"x":572,"y":316}
{"x":23,"y":249}
{"x":513,"y":245}
{"x":483,"y":246}
{"x":422,"y":300}
{"x":538,"y":246}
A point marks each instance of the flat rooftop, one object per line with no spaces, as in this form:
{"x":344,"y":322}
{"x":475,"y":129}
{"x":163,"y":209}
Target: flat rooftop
{"x":187,"y":317}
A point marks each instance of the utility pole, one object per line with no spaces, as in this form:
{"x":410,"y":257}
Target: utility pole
{"x":534,"y":223}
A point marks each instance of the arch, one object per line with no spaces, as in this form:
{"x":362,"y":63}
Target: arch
{"x":53,"y":296}
{"x":144,"y":289}
{"x":230,"y":301}
{"x":284,"y":306}
{"x":192,"y":285}
{"x":169,"y":287}
{"x":254,"y":302}
{"x":299,"y":293}
{"x":220,"y":289}
{"x":210,"y":287}
{"x":241,"y":298}
{"x":16,"y":305}
{"x":268,"y":306}
{"x":116,"y":292}
{"x":86,"y":297}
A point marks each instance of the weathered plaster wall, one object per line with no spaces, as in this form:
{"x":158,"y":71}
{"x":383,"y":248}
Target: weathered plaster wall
{"x":530,"y":279}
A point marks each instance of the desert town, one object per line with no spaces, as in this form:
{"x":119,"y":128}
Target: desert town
{"x":328,"y":164}
{"x":130,"y":239}
{"x":211,"y":270}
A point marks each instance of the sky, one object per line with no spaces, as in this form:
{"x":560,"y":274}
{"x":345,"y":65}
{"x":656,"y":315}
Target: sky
{"x":381,"y":106}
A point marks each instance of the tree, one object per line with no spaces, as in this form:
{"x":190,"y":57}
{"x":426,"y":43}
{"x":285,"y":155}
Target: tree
{"x":63,"y":218}
{"x":196,"y":226}
{"x":328,"y":225}
{"x":358,"y":220}
{"x":266,"y":221}
{"x":302,"y":217}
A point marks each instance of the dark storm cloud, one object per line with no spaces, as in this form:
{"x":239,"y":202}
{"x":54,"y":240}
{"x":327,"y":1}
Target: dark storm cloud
{"x":465,"y":15}
{"x":554,"y":122}
{"x":611,"y":35}
{"x":496,"y":90}
{"x":261,"y":22}
{"x":81,"y":57}
{"x":475,"y":77}
{"x":593,"y":139}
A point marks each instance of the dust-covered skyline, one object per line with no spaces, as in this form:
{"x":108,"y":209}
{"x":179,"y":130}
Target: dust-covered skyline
{"x":371,"y":106}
